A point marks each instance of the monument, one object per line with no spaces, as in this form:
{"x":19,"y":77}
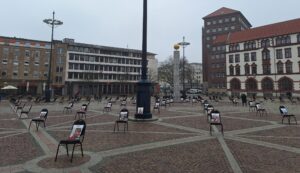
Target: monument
{"x":176,"y":85}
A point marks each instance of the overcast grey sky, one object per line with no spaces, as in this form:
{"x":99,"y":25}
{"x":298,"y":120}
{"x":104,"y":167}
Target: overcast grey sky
{"x":118,"y":23}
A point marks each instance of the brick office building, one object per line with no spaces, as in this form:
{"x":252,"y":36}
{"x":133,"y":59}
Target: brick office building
{"x":24,"y":63}
{"x":220,"y":22}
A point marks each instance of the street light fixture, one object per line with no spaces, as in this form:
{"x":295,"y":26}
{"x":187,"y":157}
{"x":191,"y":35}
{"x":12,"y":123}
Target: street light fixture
{"x":183,"y":44}
{"x":51,"y":22}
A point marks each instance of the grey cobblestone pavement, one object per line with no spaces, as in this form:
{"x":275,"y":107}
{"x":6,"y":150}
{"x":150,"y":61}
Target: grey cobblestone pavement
{"x":179,"y":141}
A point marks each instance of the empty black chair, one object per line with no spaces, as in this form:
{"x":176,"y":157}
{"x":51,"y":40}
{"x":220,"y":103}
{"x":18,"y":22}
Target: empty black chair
{"x":123,"y":119}
{"x":41,"y":119}
{"x":215,"y":119}
{"x":76,"y":137}
{"x":26,"y":112}
{"x":284,"y":113}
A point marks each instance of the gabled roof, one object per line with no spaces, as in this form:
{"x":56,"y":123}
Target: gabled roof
{"x":271,"y":30}
{"x":221,"y":11}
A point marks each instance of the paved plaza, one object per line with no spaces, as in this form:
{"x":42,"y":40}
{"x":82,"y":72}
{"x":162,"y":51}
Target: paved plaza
{"x":178,"y":142}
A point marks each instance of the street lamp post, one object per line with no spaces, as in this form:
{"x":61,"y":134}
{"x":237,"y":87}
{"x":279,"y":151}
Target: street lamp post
{"x":51,"y":22}
{"x":143,"y":86}
{"x":183,"y":44}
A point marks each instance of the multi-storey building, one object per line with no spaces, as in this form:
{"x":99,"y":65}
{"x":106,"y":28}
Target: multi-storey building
{"x":96,"y":70}
{"x":197,"y":75}
{"x":76,"y":68}
{"x":264,"y":61}
{"x":220,"y":22}
{"x":24,"y":63}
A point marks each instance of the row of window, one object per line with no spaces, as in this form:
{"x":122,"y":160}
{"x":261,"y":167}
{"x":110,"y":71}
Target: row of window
{"x":218,"y":56}
{"x":116,"y":60}
{"x":265,"y":55}
{"x":106,"y":52}
{"x":235,"y":70}
{"x":249,"y":45}
{"x":94,"y":67}
{"x":35,"y":74}
{"x":100,"y":76}
{"x":226,"y":28}
{"x":213,"y":22}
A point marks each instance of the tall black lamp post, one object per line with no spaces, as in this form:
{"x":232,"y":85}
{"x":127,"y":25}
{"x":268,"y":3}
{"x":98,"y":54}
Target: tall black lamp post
{"x":183,"y":44}
{"x":144,"y":85}
{"x":51,"y":22}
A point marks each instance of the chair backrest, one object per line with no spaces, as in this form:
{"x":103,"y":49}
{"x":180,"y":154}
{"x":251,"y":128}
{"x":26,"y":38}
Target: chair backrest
{"x":140,"y":110}
{"x":71,"y":104}
{"x":210,"y":108}
{"x":258,"y":105}
{"x":109,"y":104}
{"x":124,"y":114}
{"x":283,"y":110}
{"x":84,"y":107}
{"x":78,"y":130}
{"x":156,"y":105}
{"x":215,"y":117}
{"x":44,"y":113}
{"x":205,"y":106}
{"x":29,"y":108}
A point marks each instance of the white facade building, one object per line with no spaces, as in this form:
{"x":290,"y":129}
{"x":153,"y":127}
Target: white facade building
{"x":264,"y":61}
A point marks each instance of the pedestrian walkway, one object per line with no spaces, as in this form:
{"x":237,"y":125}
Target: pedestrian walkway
{"x":178,"y":142}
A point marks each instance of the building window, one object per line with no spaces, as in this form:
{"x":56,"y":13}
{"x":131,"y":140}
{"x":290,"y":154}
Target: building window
{"x":288,"y":52}
{"x":230,"y":58}
{"x":298,"y":38}
{"x":231,"y":70}
{"x":267,"y":84}
{"x":254,"y":69}
{"x":279,"y":53}
{"x":208,"y":23}
{"x":246,"y":57}
{"x":27,"y":53}
{"x":253,"y":56}
{"x":237,"y":70}
{"x":265,"y":54}
{"x":289,"y":67}
{"x":4,"y":74}
{"x":298,"y":51}
{"x":265,"y":43}
{"x":266,"y":69}
{"x":232,"y":27}
{"x":233,"y":19}
{"x":280,"y":67}
{"x":237,"y":58}
{"x":247,"y":69}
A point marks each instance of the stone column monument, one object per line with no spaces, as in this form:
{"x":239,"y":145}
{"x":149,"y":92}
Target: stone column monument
{"x":176,"y":79}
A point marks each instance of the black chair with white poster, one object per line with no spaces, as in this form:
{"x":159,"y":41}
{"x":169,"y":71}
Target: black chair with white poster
{"x":215,"y":119}
{"x":123,"y":119}
{"x":76,"y":137}
{"x":284,"y":113}
{"x":41,"y":119}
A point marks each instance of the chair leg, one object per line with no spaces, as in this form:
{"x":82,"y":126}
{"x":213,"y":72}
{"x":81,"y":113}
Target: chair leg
{"x":81,"y":149}
{"x":295,"y":119}
{"x":29,"y":125}
{"x":127,"y":125}
{"x":289,"y":118}
{"x":37,"y":126}
{"x":210,"y":130}
{"x":115,"y":126}
{"x":222,"y":129}
{"x":72,"y":153}
{"x":57,"y":152}
{"x":67,"y":150}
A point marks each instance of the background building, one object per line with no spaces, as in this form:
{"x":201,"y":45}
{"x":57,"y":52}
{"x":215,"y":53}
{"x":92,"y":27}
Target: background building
{"x":220,"y":22}
{"x":25,"y":64}
{"x":77,"y":68}
{"x":264,"y":61}
{"x":197,"y":75}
